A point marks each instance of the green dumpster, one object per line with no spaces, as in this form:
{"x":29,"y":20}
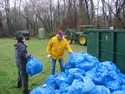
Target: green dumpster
{"x":41,"y":33}
{"x":107,"y":45}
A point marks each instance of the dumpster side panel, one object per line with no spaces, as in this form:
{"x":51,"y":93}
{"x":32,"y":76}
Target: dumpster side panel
{"x":106,"y":41}
{"x":92,"y":43}
{"x":107,"y":45}
{"x":119,"y":57}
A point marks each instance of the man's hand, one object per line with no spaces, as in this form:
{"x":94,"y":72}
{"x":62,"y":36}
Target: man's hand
{"x":70,"y":52}
{"x":49,"y":56}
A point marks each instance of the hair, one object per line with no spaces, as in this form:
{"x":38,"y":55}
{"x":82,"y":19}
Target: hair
{"x":20,"y":38}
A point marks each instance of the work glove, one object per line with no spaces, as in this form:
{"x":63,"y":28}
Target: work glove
{"x":49,"y":56}
{"x":70,"y":52}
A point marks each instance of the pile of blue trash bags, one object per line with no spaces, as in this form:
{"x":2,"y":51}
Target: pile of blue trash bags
{"x":84,"y":74}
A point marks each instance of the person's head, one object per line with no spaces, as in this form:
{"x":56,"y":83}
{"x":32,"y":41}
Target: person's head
{"x":60,"y":34}
{"x":21,"y":38}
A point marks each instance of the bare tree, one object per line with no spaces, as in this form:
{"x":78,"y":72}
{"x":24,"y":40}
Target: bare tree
{"x":29,"y":16}
{"x":70,"y":14}
{"x":92,"y":12}
{"x":97,"y":14}
{"x":82,"y":12}
{"x":114,"y":9}
{"x":120,"y":6}
{"x":75,"y":14}
{"x":7,"y":10}
{"x":63,"y":14}
{"x":1,"y":24}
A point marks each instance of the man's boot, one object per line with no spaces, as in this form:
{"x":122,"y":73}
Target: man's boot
{"x":19,"y":84}
{"x":26,"y":92}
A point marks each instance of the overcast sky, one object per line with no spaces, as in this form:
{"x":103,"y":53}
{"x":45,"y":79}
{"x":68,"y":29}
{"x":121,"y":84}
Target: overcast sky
{"x":12,"y":1}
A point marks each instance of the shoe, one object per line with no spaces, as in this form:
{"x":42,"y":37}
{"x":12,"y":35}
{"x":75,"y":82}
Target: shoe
{"x":26,"y":92}
{"x":19,"y":84}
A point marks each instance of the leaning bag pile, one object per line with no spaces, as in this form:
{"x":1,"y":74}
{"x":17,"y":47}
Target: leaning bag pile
{"x":84,"y":74}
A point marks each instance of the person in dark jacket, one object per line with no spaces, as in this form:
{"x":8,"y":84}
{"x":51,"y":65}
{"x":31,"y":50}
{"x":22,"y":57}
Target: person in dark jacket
{"x":21,"y":55}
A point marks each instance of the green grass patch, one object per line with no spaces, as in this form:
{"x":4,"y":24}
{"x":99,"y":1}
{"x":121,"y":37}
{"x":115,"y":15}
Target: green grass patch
{"x":8,"y":70}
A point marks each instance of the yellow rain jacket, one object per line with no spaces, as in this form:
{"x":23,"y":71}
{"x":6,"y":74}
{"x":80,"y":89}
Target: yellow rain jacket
{"x":57,"y":47}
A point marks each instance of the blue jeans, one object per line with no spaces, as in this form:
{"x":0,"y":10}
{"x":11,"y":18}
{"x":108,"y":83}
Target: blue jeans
{"x":53,"y":64}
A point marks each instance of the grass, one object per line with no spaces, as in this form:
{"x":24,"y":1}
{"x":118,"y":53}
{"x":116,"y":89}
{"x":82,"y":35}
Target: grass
{"x":8,"y":70}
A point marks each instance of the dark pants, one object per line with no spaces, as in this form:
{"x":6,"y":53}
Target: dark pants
{"x":23,"y":78}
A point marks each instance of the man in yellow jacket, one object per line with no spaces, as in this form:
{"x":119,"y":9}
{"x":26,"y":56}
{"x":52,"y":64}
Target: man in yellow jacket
{"x":55,"y":50}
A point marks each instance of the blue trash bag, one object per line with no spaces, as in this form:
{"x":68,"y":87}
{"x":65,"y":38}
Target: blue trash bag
{"x":86,"y":61}
{"x":113,"y":86}
{"x":123,"y":87}
{"x":96,"y":77}
{"x":50,"y":81}
{"x":100,"y":89}
{"x":103,"y":69}
{"x":63,"y":78}
{"x":108,"y":65}
{"x":57,"y":91}
{"x":122,"y":76}
{"x":72,"y":58}
{"x":83,"y":85}
{"x":69,"y":65}
{"x":119,"y":92}
{"x":64,"y":88}
{"x":88,"y":85}
{"x":112,"y":81}
{"x":43,"y":90}
{"x":81,"y":60}
{"x":76,"y":87}
{"x":91,"y":72}
{"x":76,"y":57}
{"x":75,"y":71}
{"x":33,"y":66}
